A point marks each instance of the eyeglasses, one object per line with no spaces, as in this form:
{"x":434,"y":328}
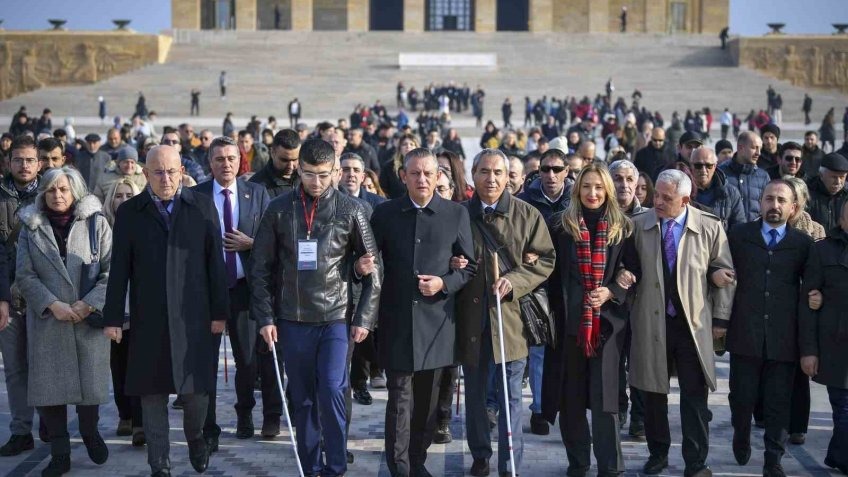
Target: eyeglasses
{"x":555,"y":169}
{"x":703,"y":165}
{"x":322,"y":176}
{"x":161,"y":174}
{"x":792,"y":158}
{"x":170,"y":142}
{"x":442,"y":189}
{"x":28,"y":161}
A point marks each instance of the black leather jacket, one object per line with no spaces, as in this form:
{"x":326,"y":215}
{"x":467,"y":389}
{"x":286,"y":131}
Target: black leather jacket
{"x":281,"y":292}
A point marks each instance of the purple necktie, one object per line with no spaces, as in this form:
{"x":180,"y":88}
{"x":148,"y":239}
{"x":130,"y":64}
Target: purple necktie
{"x":670,"y":251}
{"x":230,"y":257}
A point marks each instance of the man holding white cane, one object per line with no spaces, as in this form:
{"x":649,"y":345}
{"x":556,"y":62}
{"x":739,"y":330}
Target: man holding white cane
{"x":517,"y":229}
{"x":299,"y":287}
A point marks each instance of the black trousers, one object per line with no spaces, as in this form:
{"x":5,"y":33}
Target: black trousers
{"x":582,"y":389}
{"x":56,"y":419}
{"x":447,"y":389}
{"x":364,"y":362}
{"x":681,"y":354}
{"x":748,"y":375}
{"x":129,"y":407}
{"x":250,"y":360}
{"x":636,"y":401}
{"x":410,"y":418}
{"x":799,"y":415}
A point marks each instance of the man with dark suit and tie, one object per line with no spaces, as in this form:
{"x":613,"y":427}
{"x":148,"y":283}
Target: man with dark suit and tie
{"x":762,"y":339}
{"x":239,"y":205}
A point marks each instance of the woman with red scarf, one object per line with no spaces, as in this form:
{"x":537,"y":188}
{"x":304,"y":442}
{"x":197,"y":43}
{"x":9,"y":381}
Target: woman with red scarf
{"x":581,"y":372}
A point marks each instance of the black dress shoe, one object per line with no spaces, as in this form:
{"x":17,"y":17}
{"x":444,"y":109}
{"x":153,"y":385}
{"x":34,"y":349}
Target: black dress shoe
{"x":97,"y":450}
{"x":538,"y":425}
{"x":350,"y":457}
{"x":270,"y":427}
{"x":124,"y":428}
{"x":198,"y":455}
{"x":178,"y":403}
{"x":161,"y":473}
{"x":59,"y":464}
{"x":480,"y":468}
{"x":741,"y":449}
{"x":443,"y":434}
{"x":138,"y":437}
{"x":244,"y":427}
{"x":698,"y":471}
{"x":655,"y":465}
{"x":211,"y":443}
{"x":418,"y":470}
{"x":362,"y":396}
{"x":773,"y":471}
{"x":17,"y":444}
{"x":833,"y":465}
{"x":637,"y":429}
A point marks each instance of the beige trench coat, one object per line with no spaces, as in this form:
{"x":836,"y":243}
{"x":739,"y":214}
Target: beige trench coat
{"x":703,"y":248}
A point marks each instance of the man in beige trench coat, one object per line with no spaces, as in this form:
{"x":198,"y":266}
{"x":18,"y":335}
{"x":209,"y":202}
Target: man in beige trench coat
{"x":680,"y":260}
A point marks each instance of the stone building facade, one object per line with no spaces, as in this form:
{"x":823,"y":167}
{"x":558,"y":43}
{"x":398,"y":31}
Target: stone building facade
{"x":567,"y":16}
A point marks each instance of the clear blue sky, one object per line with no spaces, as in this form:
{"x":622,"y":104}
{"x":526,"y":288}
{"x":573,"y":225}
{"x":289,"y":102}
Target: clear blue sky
{"x":747,"y":17}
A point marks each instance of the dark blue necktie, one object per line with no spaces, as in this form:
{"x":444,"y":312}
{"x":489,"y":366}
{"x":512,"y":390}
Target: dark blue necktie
{"x":773,"y":242}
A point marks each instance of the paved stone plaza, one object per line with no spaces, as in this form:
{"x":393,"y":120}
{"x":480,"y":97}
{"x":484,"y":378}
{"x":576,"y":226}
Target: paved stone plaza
{"x":544,"y":456}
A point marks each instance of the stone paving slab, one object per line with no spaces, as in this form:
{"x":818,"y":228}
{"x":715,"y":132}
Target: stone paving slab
{"x":544,"y":455}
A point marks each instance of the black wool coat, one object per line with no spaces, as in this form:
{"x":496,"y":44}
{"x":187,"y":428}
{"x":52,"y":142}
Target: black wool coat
{"x":417,"y":332}
{"x":768,"y":292}
{"x":177,"y":286}
{"x":565,"y":292}
{"x":824,"y":333}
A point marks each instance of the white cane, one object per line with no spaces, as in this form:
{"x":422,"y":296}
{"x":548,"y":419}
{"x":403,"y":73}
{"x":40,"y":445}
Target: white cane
{"x":273,"y":347}
{"x":503,"y":369}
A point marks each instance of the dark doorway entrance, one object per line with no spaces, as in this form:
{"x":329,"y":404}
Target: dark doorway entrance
{"x":513,"y":15}
{"x":386,"y":15}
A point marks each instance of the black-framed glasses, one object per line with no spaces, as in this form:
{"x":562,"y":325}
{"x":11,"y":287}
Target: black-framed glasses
{"x":554,"y":169}
{"x":170,"y":142}
{"x":703,"y":165}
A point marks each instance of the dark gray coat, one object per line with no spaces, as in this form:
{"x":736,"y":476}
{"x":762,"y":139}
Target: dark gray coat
{"x":178,"y":286}
{"x":765,"y":310}
{"x":68,"y":363}
{"x":824,"y":333}
{"x":417,"y":332}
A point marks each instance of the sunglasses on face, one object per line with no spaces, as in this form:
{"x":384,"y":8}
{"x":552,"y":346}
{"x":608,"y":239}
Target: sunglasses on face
{"x":792,"y":158}
{"x":555,"y":169}
{"x":703,"y":165}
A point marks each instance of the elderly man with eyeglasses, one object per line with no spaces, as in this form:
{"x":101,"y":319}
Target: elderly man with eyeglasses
{"x":714,"y":191}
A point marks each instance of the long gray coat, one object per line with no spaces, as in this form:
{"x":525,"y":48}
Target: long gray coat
{"x":68,"y":363}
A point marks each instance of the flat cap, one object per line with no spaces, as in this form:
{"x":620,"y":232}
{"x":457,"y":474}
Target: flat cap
{"x":835,"y":162}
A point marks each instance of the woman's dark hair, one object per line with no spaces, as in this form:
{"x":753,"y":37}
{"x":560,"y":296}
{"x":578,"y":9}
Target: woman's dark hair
{"x":457,"y":175}
{"x":649,"y":190}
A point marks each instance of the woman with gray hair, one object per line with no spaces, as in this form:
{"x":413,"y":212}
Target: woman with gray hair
{"x":801,"y":219}
{"x":62,"y":270}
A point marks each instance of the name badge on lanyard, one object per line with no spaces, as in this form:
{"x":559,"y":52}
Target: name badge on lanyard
{"x":307,"y":250}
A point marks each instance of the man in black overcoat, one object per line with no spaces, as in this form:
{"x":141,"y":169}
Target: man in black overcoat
{"x":417,"y":235}
{"x":167,"y":254}
{"x":762,"y":339}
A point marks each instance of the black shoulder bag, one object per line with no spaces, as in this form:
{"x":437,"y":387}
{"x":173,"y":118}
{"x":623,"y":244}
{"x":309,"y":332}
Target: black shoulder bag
{"x":534,"y":307}
{"x":90,"y":272}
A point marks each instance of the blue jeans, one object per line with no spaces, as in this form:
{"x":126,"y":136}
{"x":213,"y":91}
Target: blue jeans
{"x":476,"y":422}
{"x":316,"y":362}
{"x":837,"y":450}
{"x":537,"y":362}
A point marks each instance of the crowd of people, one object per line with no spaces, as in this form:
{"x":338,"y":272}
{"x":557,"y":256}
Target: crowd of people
{"x":359,"y":252}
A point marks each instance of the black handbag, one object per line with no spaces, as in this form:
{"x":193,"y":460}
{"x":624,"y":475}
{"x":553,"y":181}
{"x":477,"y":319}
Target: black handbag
{"x":90,"y":272}
{"x":534,"y":307}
